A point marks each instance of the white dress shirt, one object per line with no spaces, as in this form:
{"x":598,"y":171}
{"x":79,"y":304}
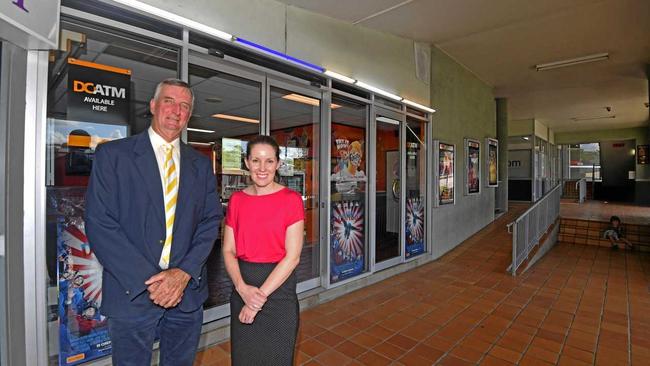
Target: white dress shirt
{"x":157,"y":143}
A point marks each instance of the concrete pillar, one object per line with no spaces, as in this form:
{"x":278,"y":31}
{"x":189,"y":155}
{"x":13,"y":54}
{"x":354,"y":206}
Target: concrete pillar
{"x":501,"y":203}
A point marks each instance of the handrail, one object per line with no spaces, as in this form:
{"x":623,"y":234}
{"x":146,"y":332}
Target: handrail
{"x":530,"y":227}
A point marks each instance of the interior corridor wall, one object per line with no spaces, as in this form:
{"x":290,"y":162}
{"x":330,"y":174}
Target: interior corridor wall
{"x":377,"y":58}
{"x":640,"y":134}
{"x":465,"y":107}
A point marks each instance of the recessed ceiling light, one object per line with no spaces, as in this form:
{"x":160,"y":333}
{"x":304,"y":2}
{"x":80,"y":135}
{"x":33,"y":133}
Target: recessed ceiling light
{"x":235,"y":118}
{"x":200,"y":130}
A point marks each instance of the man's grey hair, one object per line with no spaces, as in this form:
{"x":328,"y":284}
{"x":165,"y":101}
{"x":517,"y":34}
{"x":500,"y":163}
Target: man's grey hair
{"x":174,"y":82}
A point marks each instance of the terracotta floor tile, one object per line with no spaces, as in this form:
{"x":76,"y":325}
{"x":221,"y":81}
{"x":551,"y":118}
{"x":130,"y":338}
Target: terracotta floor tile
{"x":546,"y":344}
{"x":372,"y":358}
{"x":542,"y":354}
{"x":312,"y":347}
{"x":450,"y":360}
{"x":474,"y":342}
{"x":412,"y":359}
{"x":467,"y":354}
{"x":439,"y":343}
{"x":569,"y":361}
{"x":493,"y":361}
{"x":419,"y":330}
{"x":389,"y":350}
{"x":578,"y":354}
{"x":529,"y":360}
{"x":380,"y":331}
{"x":426,"y":352}
{"x":505,"y":354}
{"x":301,"y":358}
{"x":366,"y":340}
{"x":333,"y":357}
{"x":329,"y":338}
{"x":403,"y":342}
{"x":351,"y":349}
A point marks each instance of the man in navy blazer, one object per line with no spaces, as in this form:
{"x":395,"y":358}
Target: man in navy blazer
{"x":126,"y":227}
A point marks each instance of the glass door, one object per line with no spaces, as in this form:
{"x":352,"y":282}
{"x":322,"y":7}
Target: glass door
{"x":389,"y":200}
{"x":295,"y":114}
{"x":415,"y":187}
{"x":227,"y":113}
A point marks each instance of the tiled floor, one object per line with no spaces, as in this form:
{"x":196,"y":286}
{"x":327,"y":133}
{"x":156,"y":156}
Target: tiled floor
{"x":580,"y":305}
{"x":602,"y":211}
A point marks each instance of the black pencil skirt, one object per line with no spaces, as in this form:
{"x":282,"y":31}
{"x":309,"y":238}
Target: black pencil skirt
{"x":271,"y":338}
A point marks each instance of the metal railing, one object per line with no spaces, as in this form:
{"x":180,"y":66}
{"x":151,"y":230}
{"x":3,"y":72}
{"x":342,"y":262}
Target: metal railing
{"x":529,"y":228}
{"x":581,"y":186}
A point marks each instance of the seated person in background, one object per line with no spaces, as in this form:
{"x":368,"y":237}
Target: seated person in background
{"x":615,"y":233}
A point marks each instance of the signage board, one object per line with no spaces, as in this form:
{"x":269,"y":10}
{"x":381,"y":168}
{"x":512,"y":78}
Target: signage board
{"x":30,"y":24}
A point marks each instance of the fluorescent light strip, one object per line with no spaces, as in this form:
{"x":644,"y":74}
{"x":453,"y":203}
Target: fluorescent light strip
{"x":199,"y":130}
{"x":279,"y":54}
{"x":306,"y":100}
{"x":419,"y":106}
{"x":573,"y":61}
{"x":235,"y":118}
{"x":176,"y":18}
{"x":338,"y":76}
{"x":576,"y":119}
{"x":378,"y":91}
{"x":201,"y":143}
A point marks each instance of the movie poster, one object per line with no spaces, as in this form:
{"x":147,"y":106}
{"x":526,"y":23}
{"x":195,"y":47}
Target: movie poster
{"x":445,"y":173}
{"x":83,"y":331}
{"x":492,"y":162}
{"x":347,"y":240}
{"x":473,"y":170}
{"x":347,"y":212}
{"x":642,"y":152}
{"x":414,"y":226}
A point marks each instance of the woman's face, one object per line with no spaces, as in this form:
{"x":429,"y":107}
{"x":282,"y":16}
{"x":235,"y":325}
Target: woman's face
{"x":262,"y":164}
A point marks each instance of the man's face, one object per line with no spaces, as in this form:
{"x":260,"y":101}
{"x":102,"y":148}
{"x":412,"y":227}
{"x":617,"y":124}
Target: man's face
{"x":171,"y":111}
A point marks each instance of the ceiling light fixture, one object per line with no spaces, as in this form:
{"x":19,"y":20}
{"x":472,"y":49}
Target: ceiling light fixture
{"x":306,"y":100}
{"x":338,"y":76}
{"x":419,"y":106}
{"x":576,"y":119}
{"x":378,"y":91}
{"x":235,"y":118}
{"x":526,"y":138}
{"x":213,"y":100}
{"x":201,"y":143}
{"x":176,"y":18}
{"x":199,"y":130}
{"x":573,"y":61}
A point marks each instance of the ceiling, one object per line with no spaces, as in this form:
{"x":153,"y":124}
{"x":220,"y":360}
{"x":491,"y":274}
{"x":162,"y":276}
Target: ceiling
{"x":501,"y":41}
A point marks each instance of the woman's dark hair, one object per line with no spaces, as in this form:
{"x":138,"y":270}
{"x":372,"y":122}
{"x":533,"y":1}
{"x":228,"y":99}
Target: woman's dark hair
{"x":614,"y":218}
{"x":263,"y":140}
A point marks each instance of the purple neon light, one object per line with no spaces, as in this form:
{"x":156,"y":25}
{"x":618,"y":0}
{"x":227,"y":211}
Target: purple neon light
{"x":281,"y":55}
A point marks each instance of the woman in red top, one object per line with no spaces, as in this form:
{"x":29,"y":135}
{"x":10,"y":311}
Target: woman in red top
{"x":263,"y":238}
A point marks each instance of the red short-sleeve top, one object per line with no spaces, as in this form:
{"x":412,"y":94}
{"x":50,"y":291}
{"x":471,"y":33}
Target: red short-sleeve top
{"x":260,"y":223}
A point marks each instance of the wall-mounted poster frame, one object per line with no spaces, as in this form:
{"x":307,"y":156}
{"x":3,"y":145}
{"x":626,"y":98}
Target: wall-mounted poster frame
{"x":642,"y":157}
{"x":472,"y":166}
{"x":492,"y":162}
{"x":445,"y":156}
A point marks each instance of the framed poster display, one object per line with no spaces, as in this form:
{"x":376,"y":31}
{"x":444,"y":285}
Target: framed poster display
{"x":492,"y":162}
{"x":445,"y":188}
{"x":348,"y":206}
{"x":472,"y":166}
{"x":642,"y":154}
{"x":70,"y":153}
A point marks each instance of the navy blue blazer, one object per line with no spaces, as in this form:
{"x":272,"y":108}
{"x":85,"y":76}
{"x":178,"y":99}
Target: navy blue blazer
{"x":125,"y":223}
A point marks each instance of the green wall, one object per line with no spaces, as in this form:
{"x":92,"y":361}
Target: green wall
{"x":465,"y":108}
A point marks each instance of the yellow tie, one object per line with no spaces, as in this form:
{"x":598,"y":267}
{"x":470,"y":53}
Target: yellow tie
{"x":171,"y":193}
